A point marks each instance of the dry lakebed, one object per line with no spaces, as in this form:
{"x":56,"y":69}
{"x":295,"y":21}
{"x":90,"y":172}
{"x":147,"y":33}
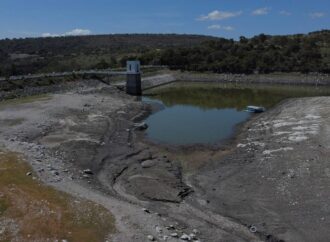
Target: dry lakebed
{"x":79,"y":165}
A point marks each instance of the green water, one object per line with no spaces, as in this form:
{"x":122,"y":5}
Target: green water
{"x":195,"y":113}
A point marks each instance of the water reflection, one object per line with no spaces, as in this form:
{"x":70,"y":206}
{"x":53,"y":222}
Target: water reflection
{"x":208,"y":113}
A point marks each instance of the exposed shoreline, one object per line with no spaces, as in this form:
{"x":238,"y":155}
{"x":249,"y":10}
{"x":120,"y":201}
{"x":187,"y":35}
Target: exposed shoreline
{"x":281,"y":79}
{"x":274,"y":78}
{"x":92,"y":126}
{"x":10,"y":89}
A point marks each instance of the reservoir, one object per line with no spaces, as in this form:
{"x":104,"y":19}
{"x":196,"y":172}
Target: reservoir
{"x":208,"y":113}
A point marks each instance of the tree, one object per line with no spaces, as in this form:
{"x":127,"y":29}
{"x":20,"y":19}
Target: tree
{"x":102,"y":65}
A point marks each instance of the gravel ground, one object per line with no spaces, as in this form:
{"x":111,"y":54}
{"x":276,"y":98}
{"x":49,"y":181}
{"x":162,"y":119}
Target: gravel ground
{"x":277,"y":179}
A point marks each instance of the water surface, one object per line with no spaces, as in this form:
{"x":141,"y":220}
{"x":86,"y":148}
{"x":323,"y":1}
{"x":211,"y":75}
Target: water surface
{"x":195,"y":113}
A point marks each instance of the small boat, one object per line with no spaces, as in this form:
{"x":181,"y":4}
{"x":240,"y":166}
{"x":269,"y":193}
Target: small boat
{"x":255,"y":109}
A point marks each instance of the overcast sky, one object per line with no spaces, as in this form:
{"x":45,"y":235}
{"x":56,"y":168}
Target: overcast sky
{"x":225,"y":18}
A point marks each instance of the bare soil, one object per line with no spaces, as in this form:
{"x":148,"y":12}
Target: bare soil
{"x":272,"y":178}
{"x":277,"y":177}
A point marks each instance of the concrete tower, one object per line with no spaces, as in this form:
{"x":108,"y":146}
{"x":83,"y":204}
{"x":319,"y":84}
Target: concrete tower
{"x":133,"y":83}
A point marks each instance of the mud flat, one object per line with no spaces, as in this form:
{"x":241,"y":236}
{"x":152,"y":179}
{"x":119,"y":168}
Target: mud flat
{"x":269,"y":186}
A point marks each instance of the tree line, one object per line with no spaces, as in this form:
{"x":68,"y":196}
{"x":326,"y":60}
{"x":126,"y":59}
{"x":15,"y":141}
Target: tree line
{"x":303,"y":53}
{"x":260,"y":54}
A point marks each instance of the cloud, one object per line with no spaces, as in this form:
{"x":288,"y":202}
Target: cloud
{"x":285,"y":13}
{"x":219,"y":15}
{"x":78,"y":32}
{"x":317,"y":15}
{"x":49,"y":35}
{"x":261,"y":11}
{"x":219,"y":27}
{"x":74,"y":32}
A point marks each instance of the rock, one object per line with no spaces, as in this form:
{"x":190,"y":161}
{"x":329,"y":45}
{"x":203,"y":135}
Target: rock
{"x":253,"y":229}
{"x":147,"y":163}
{"x":151,"y":238}
{"x":165,"y":237}
{"x":55,"y":173}
{"x":141,"y":126}
{"x":171,"y":227}
{"x":50,"y":168}
{"x":185,"y":237}
{"x":159,"y":229}
{"x":145,"y":210}
{"x":192,"y":236}
{"x":57,"y":179}
{"x":175,"y":235}
{"x":29,"y":174}
{"x":88,"y":172}
{"x":195,"y":231}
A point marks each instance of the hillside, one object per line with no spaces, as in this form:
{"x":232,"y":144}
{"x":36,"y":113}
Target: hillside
{"x":303,"y":53}
{"x":263,"y":53}
{"x":33,"y":55}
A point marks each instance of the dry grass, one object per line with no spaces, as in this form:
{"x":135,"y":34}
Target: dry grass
{"x":31,"y":211}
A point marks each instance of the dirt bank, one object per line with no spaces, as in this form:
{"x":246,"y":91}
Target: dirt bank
{"x":88,"y":141}
{"x":26,"y":87}
{"x":277,"y":178}
{"x":273,"y":78}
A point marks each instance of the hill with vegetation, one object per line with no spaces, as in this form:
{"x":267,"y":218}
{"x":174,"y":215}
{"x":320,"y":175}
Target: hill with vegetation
{"x":262,"y":54}
{"x":53,"y":54}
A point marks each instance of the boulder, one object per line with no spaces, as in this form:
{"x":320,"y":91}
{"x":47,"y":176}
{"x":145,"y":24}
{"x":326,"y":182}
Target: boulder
{"x":185,"y":237}
{"x":174,"y":235}
{"x":148,"y":163}
{"x":141,"y":126}
{"x":151,"y":238}
{"x":88,"y":172}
